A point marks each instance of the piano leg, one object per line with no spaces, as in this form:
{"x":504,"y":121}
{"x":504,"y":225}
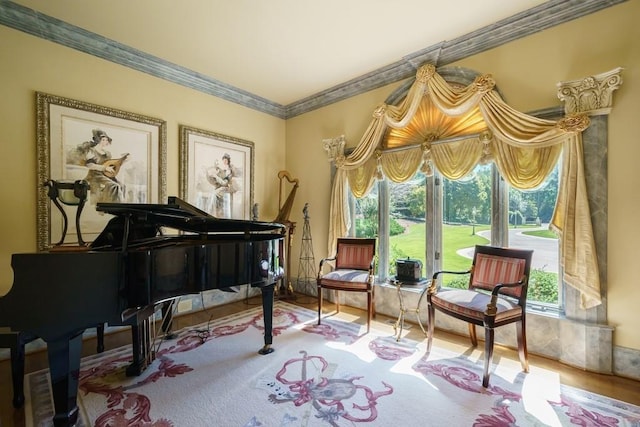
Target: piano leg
{"x":16,"y":341}
{"x":267,"y":313}
{"x":100,"y":338}
{"x":64,"y":368}
{"x":17,"y":371}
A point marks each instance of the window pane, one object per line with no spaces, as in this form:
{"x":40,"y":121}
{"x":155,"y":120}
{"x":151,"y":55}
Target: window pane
{"x":407,"y":220}
{"x":366,"y":214}
{"x":466,"y":221}
{"x":530,"y":213}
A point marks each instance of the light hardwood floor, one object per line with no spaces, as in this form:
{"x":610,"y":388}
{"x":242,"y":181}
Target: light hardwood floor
{"x":619,"y":388}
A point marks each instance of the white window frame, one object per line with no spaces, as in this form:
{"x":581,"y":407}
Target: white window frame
{"x":433,"y":233}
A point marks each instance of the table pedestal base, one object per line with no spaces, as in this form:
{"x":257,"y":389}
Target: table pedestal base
{"x":421,"y":287}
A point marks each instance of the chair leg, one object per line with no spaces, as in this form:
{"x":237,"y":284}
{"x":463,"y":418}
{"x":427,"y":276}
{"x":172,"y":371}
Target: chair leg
{"x":472,"y":334}
{"x":488,"y":355}
{"x":522,"y":345}
{"x":337,"y":296}
{"x":373,"y":301}
{"x":319,"y":304}
{"x":431,"y":319}
{"x":369,"y":310}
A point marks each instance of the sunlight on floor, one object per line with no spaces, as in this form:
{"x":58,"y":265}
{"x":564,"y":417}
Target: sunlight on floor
{"x":538,"y":388}
{"x":360,"y":348}
{"x":533,"y":388}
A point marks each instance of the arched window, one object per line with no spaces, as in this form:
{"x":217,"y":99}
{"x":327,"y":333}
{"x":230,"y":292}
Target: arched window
{"x":453,"y":154}
{"x":438,"y":219}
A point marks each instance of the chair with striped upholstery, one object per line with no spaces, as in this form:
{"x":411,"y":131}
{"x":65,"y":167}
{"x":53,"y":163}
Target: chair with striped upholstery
{"x":353,"y":271}
{"x":496,"y":296}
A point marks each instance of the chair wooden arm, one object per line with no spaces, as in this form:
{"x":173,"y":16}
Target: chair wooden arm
{"x":492,"y":307}
{"x":437,"y":273}
{"x":322,"y":262}
{"x":497,"y":288}
{"x":435,"y":285}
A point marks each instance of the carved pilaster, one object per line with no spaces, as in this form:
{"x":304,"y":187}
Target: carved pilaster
{"x":334,"y":147}
{"x":592,"y":95}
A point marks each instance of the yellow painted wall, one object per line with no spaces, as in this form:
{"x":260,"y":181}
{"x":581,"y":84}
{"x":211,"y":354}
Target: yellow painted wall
{"x":29,"y":64}
{"x":526,"y":72}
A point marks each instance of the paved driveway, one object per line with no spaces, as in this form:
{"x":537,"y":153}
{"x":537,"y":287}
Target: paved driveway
{"x":545,"y":251}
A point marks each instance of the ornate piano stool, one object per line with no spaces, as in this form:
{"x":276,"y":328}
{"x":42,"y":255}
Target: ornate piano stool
{"x":420,"y":287}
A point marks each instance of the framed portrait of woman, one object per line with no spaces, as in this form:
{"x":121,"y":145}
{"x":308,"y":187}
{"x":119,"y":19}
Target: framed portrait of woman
{"x":121,"y":155}
{"x":216,"y":173}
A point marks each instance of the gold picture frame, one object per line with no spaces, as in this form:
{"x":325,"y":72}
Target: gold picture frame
{"x":216,"y":173}
{"x":68,"y":131}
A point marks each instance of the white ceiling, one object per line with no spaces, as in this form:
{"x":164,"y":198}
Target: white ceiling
{"x":281,"y":50}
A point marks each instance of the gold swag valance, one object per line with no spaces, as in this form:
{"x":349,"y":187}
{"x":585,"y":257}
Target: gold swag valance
{"x":524,"y":149}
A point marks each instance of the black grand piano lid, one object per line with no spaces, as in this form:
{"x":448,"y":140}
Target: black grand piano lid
{"x":183,"y":216}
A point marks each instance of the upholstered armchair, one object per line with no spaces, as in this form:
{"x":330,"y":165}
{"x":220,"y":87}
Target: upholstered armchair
{"x":496,"y":296}
{"x":353,"y":272}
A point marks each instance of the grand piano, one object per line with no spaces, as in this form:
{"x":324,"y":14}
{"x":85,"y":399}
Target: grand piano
{"x":146,"y":255}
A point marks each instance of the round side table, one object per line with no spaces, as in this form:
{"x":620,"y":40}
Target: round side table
{"x":421,"y":287}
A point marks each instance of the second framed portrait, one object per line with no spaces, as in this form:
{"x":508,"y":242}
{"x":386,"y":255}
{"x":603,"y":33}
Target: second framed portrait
{"x":216,"y":173}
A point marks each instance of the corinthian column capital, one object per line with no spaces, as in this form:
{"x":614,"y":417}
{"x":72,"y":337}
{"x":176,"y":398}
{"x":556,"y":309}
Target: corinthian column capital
{"x":592,"y":95}
{"x":334,"y":147}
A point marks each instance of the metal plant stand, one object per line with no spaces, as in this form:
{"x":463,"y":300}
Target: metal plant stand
{"x":306,"y":283}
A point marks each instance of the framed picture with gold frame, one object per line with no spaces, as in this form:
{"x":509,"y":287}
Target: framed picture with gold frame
{"x":216,"y":173}
{"x":121,"y":155}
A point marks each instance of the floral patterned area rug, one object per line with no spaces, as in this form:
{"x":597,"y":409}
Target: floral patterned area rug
{"x":329,"y":375}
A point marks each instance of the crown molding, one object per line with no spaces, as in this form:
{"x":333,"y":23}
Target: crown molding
{"x":536,"y":19}
{"x":37,"y":24}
